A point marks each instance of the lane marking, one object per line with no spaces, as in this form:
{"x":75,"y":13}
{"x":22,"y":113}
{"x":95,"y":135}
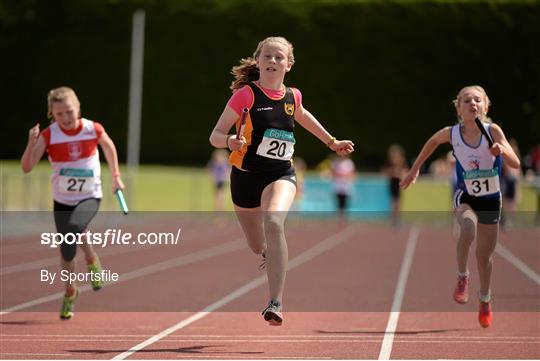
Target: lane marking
{"x":218,"y":337}
{"x":263,"y":339}
{"x":518,"y":263}
{"x":158,"y":267}
{"x":54,"y":261}
{"x":386,"y":347}
{"x":305,"y":256}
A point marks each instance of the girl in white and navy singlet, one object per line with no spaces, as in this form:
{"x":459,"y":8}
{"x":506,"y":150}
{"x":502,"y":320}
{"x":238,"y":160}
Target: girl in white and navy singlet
{"x":478,"y":175}
{"x":477,"y":200}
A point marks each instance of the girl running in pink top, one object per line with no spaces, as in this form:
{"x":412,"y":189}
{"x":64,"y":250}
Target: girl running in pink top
{"x":263,"y":180}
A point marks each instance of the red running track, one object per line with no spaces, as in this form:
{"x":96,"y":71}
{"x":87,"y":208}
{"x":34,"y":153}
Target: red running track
{"x":201,"y":299}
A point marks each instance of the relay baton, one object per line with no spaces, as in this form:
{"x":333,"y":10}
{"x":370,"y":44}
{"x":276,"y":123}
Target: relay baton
{"x":484,"y":131}
{"x":122,"y":201}
{"x":242,"y":123}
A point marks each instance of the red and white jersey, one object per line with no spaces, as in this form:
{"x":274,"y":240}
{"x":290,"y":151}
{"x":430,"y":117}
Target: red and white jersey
{"x":74,"y":157}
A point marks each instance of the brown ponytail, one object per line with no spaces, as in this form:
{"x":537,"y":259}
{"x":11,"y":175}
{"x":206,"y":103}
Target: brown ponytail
{"x":244,"y":73}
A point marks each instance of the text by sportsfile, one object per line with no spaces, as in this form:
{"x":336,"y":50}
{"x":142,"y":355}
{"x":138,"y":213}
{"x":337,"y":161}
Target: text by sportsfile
{"x":111,"y":237}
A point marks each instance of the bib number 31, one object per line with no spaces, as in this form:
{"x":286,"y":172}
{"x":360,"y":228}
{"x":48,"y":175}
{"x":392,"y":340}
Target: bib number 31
{"x":482,"y":182}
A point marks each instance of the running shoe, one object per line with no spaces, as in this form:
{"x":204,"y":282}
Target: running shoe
{"x":485,"y":316}
{"x":94,"y":268}
{"x":262,"y":266}
{"x":461,"y":293}
{"x":273,"y":314}
{"x":68,"y":305}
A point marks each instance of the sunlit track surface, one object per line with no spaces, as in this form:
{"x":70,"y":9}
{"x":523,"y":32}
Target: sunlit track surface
{"x":338,"y":295}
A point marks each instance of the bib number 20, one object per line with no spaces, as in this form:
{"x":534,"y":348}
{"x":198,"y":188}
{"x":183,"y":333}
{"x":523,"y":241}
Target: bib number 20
{"x":277,"y":149}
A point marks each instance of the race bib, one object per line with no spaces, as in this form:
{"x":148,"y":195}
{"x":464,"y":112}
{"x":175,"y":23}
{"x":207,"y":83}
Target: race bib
{"x":482,"y":182}
{"x":79,"y":181}
{"x":277,"y":144}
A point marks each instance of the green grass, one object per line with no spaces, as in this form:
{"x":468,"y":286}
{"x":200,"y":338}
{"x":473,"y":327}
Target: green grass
{"x":150,"y":188}
{"x":163,"y":188}
{"x":427,"y":195}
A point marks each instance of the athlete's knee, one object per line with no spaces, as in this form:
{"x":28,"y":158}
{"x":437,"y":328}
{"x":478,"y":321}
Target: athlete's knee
{"x":74,"y":228}
{"x":274,"y":224}
{"x":467,"y":230}
{"x":68,"y":251}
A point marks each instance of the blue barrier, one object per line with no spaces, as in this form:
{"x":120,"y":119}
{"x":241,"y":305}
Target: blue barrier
{"x":370,"y":198}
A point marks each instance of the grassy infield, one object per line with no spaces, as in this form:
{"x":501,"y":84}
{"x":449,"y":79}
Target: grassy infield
{"x":161,"y":188}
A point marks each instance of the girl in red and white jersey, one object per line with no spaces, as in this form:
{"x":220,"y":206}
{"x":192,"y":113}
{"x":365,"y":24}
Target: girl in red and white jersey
{"x":71,"y":143}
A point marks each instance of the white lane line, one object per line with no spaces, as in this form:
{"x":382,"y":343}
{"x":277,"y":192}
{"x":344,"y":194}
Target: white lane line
{"x":54,"y":261}
{"x":386,"y":347}
{"x":30,"y":337}
{"x":21,"y":267}
{"x":144,"y":271}
{"x":263,"y":339}
{"x":518,"y":263}
{"x":305,"y":256}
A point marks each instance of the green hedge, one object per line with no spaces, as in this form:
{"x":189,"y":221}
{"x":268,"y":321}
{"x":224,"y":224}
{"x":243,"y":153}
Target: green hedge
{"x":375,"y":72}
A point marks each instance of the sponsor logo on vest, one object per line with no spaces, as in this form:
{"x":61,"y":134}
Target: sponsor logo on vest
{"x":279,"y":134}
{"x":289,"y":108}
{"x":481,"y":173}
{"x":74,"y":150}
{"x":474,"y":164}
{"x":265,"y":108}
{"x":75,"y":172}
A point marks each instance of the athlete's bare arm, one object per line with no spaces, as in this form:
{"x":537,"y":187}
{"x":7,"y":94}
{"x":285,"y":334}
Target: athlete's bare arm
{"x":112,"y":160}
{"x":220,"y":138}
{"x":440,"y":137}
{"x":312,"y":125}
{"x":503,"y":148}
{"x":35,"y":148}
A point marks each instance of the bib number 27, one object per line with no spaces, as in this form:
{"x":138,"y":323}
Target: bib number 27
{"x":75,"y":184}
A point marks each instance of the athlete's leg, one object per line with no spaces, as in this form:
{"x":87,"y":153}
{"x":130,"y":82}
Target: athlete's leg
{"x":73,"y":220}
{"x":466,"y":232}
{"x":81,"y":217}
{"x":485,"y":247}
{"x":251,"y":221}
{"x":62,"y":214}
{"x":276,"y":201}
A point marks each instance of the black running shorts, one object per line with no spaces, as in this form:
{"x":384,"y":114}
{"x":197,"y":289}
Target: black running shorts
{"x":247,"y":187}
{"x":488,"y":209}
